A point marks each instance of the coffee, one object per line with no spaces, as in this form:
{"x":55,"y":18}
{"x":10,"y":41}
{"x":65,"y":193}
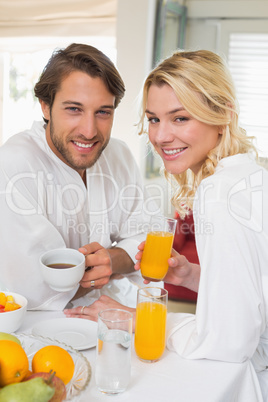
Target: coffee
{"x":60,"y":266}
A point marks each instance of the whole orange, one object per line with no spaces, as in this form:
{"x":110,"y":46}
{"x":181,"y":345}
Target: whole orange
{"x":14,"y":362}
{"x":54,"y":358}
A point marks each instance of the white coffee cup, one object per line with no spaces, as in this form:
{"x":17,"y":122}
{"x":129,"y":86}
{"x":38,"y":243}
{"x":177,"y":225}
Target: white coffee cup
{"x":59,"y":276}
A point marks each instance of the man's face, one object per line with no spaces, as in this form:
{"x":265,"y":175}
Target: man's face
{"x":80,"y":120}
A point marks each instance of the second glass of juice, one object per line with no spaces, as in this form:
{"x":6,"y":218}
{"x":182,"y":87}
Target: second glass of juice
{"x":157,"y":249}
{"x":150,"y":327}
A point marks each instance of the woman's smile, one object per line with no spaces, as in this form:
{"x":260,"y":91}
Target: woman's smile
{"x":172,"y":153}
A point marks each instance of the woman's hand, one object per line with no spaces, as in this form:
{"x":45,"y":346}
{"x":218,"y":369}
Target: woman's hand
{"x":180,"y":272}
{"x":138,"y":256}
{"x":91,"y":312}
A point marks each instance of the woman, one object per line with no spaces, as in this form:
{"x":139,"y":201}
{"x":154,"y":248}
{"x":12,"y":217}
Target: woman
{"x":190,"y":104}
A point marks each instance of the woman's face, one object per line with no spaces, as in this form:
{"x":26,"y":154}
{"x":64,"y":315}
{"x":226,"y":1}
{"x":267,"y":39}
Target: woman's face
{"x":182,"y":141}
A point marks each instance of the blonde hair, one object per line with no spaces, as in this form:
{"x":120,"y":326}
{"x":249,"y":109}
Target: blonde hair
{"x":203,"y":84}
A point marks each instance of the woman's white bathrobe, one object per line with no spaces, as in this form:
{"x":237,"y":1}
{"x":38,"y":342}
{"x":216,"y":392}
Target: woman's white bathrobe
{"x":231,"y":224}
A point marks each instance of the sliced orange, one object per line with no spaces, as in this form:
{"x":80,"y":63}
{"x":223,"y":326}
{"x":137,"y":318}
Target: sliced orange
{"x":3,"y":298}
{"x":11,"y":305}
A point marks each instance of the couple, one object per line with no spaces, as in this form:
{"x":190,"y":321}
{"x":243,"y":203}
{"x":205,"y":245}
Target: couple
{"x":190,"y":112}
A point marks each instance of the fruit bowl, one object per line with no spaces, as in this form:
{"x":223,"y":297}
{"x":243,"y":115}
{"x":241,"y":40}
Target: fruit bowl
{"x":82,"y":372}
{"x":10,"y":321}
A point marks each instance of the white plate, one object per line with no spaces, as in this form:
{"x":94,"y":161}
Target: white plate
{"x":77,"y":332}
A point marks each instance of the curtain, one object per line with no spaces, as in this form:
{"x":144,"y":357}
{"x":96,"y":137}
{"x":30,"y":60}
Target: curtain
{"x":57,"y":17}
{"x":248,"y":62}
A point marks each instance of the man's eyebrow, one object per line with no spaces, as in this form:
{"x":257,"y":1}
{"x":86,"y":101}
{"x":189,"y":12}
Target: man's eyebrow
{"x":179,"y":109}
{"x":70,"y":102}
{"x":107,"y":107}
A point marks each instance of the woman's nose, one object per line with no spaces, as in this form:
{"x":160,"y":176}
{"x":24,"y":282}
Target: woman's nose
{"x":164,"y":133}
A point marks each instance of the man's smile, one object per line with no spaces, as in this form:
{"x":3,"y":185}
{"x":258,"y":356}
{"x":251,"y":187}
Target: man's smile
{"x":83,"y":145}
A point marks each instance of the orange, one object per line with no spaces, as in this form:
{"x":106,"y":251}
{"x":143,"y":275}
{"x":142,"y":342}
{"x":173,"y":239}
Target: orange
{"x":3,"y":298}
{"x":28,"y":374}
{"x":8,"y":302}
{"x":100,"y":345}
{"x":54,"y":358}
{"x":11,"y":306}
{"x":14,"y":362}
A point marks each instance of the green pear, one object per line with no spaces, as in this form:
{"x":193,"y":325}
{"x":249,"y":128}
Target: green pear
{"x":4,"y":336}
{"x":53,"y":380}
{"x":35,"y":390}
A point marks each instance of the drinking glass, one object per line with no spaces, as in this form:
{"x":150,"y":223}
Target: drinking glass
{"x":150,"y":327}
{"x":157,"y":249}
{"x":113,"y":361}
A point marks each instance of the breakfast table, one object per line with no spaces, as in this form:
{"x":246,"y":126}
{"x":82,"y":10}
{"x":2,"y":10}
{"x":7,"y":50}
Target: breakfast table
{"x":172,"y":378}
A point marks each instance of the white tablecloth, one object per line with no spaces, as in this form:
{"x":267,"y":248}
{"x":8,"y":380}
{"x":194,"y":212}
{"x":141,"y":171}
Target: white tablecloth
{"x":171,"y":379}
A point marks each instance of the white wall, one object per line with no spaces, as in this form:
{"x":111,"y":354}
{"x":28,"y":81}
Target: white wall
{"x":135,"y":36}
{"x":135,"y":42}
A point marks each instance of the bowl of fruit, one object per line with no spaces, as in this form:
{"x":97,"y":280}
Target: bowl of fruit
{"x":13,"y":308}
{"x":40,"y":369}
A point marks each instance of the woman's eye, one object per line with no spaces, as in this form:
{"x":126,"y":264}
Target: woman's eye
{"x":153,"y":120}
{"x":181,"y":119}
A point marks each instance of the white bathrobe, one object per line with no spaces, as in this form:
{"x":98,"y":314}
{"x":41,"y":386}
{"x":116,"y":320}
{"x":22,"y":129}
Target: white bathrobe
{"x":44,"y":205}
{"x":231,"y":224}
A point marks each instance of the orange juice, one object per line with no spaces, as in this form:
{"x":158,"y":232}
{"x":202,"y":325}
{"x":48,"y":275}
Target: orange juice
{"x":150,"y":330}
{"x":157,"y":251}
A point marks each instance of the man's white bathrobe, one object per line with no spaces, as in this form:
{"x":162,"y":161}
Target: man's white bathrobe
{"x":44,"y":205}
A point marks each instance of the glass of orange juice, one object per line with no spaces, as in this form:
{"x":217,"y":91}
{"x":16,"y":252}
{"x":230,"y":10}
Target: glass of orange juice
{"x":157,"y":249}
{"x":150,"y":327}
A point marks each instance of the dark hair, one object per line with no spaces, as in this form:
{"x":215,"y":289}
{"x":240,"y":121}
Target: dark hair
{"x":78,"y":57}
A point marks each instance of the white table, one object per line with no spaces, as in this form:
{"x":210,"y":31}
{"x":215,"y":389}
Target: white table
{"x":171,"y":379}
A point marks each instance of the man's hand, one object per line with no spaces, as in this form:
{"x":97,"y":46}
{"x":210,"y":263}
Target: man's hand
{"x":100,"y":262}
{"x":103,"y":263}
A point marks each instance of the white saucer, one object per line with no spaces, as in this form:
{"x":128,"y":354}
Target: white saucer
{"x":77,"y":332}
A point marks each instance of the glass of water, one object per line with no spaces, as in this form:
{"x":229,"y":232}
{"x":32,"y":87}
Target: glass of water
{"x":113,"y":360}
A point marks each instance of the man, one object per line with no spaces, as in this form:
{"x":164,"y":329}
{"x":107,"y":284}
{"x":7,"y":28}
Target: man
{"x":65,"y":183}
